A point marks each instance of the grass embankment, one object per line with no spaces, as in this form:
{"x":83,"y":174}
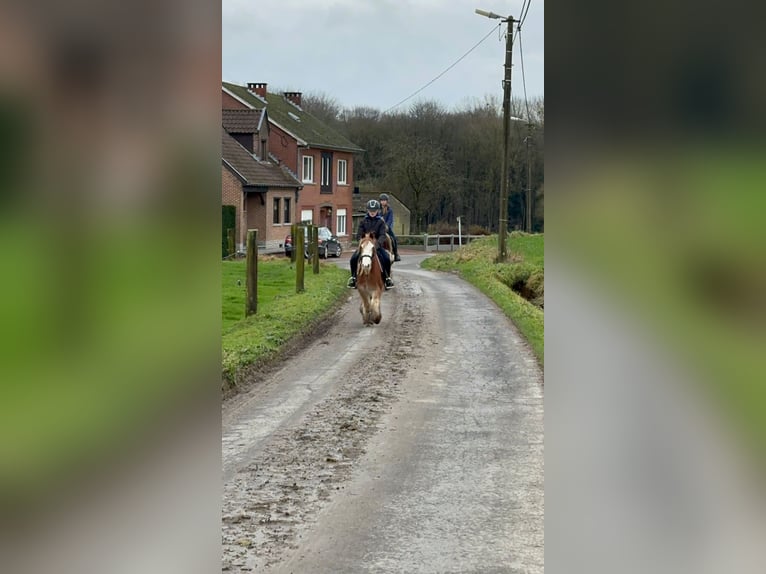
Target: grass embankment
{"x":678,"y":239}
{"x":523,"y":271}
{"x":282,"y":313}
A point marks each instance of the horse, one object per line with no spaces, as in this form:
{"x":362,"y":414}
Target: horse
{"x":369,"y":280}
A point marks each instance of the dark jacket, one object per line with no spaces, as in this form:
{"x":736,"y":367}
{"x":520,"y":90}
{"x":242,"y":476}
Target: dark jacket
{"x":374,"y":225}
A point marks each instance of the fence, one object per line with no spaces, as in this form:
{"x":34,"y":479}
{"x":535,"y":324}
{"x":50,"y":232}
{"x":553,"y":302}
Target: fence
{"x":429,"y":243}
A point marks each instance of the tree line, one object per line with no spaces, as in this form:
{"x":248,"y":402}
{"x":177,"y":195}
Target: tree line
{"x":446,"y":163}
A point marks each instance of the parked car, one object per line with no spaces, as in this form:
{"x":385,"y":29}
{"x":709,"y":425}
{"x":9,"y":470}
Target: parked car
{"x":329,"y":244}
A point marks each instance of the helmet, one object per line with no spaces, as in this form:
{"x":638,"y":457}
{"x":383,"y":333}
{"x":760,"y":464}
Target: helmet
{"x":373,"y":205}
{"x":383,"y":196}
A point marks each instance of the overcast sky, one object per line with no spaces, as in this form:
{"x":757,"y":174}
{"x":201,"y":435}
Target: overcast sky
{"x":377,"y":52}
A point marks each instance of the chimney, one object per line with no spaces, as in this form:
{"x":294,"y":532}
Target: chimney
{"x":259,"y":89}
{"x":294,"y":97}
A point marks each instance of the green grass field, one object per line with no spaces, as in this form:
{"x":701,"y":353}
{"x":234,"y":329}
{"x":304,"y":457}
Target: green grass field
{"x":282,"y":313}
{"x":678,"y":240}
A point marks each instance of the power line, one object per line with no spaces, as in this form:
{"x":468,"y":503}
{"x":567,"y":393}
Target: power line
{"x":522,"y":17}
{"x":524,"y":13}
{"x":444,"y":72}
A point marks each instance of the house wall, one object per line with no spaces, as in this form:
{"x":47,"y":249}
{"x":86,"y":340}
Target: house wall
{"x":285,"y":148}
{"x":231,"y":194}
{"x":276,"y":232}
{"x":229,"y":103}
{"x":325,"y":206}
{"x":260,"y":216}
{"x":257,"y":214}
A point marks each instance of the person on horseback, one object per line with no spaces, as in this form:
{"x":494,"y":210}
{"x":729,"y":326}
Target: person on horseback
{"x":374,"y":224}
{"x":388,"y":216}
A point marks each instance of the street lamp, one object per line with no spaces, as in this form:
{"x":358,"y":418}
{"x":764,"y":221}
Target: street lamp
{"x":503,"y":227}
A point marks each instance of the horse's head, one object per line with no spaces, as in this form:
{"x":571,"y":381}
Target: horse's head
{"x":366,"y":252}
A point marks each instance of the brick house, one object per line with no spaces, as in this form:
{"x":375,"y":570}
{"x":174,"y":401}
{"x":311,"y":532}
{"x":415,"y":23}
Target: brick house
{"x":263,"y":193}
{"x":321,"y":157}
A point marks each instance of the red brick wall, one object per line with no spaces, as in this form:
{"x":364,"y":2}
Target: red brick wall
{"x":284,"y":147}
{"x":341,"y":196}
{"x":231,"y":194}
{"x":229,"y":103}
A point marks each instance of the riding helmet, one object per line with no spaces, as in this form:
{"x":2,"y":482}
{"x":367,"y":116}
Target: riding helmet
{"x":373,"y":205}
{"x":383,"y":196}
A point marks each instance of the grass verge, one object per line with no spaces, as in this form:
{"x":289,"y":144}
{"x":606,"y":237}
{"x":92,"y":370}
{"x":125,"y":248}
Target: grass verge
{"x":283,"y":317}
{"x":525,"y":268}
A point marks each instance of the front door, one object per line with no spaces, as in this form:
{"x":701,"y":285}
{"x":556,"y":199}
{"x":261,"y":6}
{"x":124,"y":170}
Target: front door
{"x":325,"y":217}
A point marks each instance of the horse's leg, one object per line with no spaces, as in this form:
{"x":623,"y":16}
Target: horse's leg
{"x":371,"y":308}
{"x":375,"y":311}
{"x":364,"y":306}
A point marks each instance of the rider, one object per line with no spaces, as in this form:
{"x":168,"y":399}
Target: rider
{"x":372,"y":223}
{"x":388,"y":216}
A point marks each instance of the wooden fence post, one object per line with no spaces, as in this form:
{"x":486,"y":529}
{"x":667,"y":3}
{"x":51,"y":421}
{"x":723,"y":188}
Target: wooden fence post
{"x":294,"y":235}
{"x":230,"y":241}
{"x":315,"y":248}
{"x":298,"y":250}
{"x":251,"y":301}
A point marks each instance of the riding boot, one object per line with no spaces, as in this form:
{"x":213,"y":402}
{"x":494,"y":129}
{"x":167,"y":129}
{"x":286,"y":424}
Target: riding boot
{"x":389,"y":282}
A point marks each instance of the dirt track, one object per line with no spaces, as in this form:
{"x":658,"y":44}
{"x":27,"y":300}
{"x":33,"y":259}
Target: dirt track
{"x":437,"y":409}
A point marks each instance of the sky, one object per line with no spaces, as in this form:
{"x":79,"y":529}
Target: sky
{"x":376,"y":53}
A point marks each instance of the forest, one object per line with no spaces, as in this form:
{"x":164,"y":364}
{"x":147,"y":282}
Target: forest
{"x":446,"y":163}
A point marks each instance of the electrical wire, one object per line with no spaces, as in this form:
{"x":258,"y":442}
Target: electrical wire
{"x":444,"y":72}
{"x":524,"y":13}
{"x":522,"y":17}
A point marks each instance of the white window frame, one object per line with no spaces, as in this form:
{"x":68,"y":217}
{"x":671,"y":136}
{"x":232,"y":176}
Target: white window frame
{"x":308,"y":169}
{"x":307,"y":215}
{"x":340,"y":222}
{"x":342,"y":172}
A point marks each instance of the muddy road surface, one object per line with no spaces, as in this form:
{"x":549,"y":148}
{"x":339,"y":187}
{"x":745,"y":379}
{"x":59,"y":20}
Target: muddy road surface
{"x":412,"y":446}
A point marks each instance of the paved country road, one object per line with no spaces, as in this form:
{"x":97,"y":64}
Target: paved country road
{"x":412,"y":446}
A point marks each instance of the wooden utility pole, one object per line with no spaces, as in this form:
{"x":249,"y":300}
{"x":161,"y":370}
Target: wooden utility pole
{"x":503,"y":230}
{"x":527,"y":140}
{"x":251,"y":301}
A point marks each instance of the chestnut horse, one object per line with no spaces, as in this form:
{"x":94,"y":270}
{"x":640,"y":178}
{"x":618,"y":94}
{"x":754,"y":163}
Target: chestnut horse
{"x":369,"y":280}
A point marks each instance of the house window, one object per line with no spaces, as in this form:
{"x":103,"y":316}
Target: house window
{"x":307,"y":215}
{"x":341,"y":226}
{"x":308,"y":169}
{"x":276,"y":211}
{"x":326,"y":181}
{"x":286,"y":218}
{"x":342,"y":165}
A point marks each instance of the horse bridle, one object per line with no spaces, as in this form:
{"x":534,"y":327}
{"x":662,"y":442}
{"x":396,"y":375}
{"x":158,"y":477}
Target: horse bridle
{"x":368,"y":255}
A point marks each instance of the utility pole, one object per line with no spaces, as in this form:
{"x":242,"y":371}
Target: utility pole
{"x":503,"y":224}
{"x":529,"y":179}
